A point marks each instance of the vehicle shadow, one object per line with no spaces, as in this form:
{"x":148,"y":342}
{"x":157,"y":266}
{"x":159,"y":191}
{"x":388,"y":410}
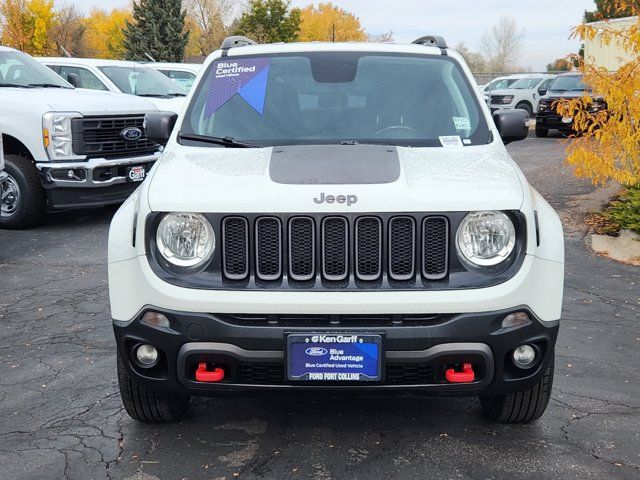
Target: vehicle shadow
{"x":353,"y":436}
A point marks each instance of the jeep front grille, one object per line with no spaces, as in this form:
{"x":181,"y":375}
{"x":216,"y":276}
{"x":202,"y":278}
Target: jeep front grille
{"x":333,"y":251}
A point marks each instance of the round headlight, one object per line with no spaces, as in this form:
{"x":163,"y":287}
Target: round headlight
{"x":485,"y":238}
{"x":185,"y":239}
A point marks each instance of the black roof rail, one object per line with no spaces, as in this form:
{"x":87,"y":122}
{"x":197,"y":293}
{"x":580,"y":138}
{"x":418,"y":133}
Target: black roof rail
{"x":432,"y":41}
{"x":235,"y":41}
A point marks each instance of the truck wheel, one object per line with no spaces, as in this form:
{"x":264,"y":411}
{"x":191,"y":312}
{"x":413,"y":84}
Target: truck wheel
{"x":542,"y":132}
{"x":147,"y":406}
{"x":526,"y":107}
{"x":22,"y":198}
{"x":521,"y":407}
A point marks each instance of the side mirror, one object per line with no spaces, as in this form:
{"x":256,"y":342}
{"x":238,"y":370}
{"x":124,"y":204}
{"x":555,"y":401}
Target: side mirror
{"x":542,"y":92}
{"x":74,"y":79}
{"x":512,"y":125}
{"x":158,"y":126}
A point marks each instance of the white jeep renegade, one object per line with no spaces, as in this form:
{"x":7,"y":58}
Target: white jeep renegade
{"x":336,"y":217}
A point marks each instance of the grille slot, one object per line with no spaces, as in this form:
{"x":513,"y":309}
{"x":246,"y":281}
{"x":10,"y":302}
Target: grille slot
{"x":409,"y":374}
{"x":235,"y":248}
{"x":368,"y":248}
{"x":402,"y":248}
{"x":260,"y":373}
{"x":301,"y":249}
{"x":268,"y":248}
{"x":435,"y":248}
{"x":335,"y":247}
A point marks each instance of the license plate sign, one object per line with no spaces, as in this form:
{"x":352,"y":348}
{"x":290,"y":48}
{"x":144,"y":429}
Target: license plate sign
{"x":334,"y":357}
{"x":136,"y":174}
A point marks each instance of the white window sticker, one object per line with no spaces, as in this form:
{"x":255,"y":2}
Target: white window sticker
{"x":462,"y":123}
{"x":453,"y":141}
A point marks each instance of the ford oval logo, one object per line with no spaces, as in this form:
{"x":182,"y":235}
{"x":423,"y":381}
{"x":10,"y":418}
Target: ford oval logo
{"x":316,"y":351}
{"x":131,"y":134}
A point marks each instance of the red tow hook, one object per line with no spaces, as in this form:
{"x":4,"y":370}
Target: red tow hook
{"x":203,"y":375}
{"x":465,"y":376}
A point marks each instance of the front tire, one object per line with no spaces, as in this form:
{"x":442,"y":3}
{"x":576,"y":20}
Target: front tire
{"x":521,"y":407}
{"x":22,"y":199}
{"x":147,"y":406}
{"x":526,"y":107}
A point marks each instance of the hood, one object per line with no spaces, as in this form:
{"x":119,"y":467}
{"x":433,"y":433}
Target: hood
{"x":167,"y":104}
{"x":557,"y":95}
{"x":512,"y":91}
{"x":312,"y":178}
{"x":85,"y":101}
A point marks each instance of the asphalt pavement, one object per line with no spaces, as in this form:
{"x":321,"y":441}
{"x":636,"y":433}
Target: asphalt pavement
{"x":61,"y":415}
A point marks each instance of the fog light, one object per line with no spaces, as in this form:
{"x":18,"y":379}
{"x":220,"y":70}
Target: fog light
{"x":515,"y":320}
{"x":147,"y":355}
{"x":156,"y":319}
{"x":524,"y":356}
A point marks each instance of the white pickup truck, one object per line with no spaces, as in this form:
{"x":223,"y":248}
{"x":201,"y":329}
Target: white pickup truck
{"x":65,"y":147}
{"x":120,"y":77}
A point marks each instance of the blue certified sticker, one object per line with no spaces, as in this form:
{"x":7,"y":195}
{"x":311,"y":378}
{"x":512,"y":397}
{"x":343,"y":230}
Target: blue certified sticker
{"x":245,"y":77}
{"x":334,"y":357}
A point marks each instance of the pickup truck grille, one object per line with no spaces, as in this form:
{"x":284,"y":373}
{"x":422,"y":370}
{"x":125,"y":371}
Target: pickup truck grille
{"x":100,"y":137}
{"x":334,"y":249}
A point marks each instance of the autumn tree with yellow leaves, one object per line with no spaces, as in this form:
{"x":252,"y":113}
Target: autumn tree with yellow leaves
{"x":607,"y":144}
{"x":327,"y":23}
{"x":26,"y":25}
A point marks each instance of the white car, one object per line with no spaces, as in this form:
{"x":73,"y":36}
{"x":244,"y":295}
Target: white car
{"x":184,"y":74}
{"x":500,"y":83}
{"x":523,"y":94}
{"x":65,"y":147}
{"x":336,"y":216}
{"x":121,"y":77}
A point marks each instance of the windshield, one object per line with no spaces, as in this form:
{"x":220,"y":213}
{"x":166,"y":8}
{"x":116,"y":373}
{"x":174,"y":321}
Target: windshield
{"x":181,"y":77}
{"x":345,"y":97}
{"x":568,"y":84}
{"x":143,"y":81}
{"x":525,"y":83}
{"x":20,"y":70}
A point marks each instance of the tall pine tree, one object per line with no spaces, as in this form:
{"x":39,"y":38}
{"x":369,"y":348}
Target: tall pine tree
{"x":158,"y":30}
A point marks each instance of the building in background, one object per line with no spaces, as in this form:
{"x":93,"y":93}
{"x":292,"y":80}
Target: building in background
{"x":610,"y":56}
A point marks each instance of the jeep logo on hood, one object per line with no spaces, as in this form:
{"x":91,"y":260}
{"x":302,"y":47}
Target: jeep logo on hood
{"x":131,"y":134}
{"x":348,"y":199}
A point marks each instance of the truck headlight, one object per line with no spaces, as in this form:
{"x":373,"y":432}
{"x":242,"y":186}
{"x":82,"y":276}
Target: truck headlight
{"x":57,"y":135}
{"x":485,"y":239}
{"x":185,"y":239}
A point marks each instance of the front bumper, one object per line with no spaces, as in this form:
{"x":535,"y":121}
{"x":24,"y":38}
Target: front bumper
{"x":553,"y":121}
{"x":416,"y":353}
{"x":95,"y":182}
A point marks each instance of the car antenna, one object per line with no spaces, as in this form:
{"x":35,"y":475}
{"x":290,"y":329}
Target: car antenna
{"x":149,"y":57}
{"x":65,"y":51}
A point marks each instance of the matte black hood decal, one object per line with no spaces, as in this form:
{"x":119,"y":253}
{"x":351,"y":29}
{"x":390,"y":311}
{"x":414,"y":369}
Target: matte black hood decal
{"x":334,"y":164}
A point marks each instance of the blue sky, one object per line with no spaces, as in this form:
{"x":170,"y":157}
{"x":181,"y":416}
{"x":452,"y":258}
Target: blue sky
{"x":547,"y":23}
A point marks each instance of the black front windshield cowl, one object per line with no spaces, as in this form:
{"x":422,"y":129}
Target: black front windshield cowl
{"x":340,"y":98}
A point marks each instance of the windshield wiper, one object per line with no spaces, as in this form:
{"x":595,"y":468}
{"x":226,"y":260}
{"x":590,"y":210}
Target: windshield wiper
{"x":14,"y":85}
{"x":176,"y":94}
{"x":45,"y":85}
{"x":225,"y":141}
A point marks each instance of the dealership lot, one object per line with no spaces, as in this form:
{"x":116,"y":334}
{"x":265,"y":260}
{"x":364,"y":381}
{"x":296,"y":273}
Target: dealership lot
{"x":62,"y":413}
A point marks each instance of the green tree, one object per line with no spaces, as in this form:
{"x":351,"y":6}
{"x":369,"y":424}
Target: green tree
{"x":609,"y":9}
{"x":269,"y":21}
{"x":158,"y":29}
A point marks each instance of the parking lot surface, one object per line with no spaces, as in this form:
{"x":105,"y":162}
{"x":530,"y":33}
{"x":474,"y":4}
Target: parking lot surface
{"x":62,"y":416}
